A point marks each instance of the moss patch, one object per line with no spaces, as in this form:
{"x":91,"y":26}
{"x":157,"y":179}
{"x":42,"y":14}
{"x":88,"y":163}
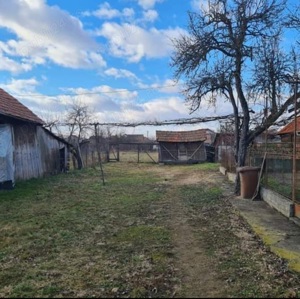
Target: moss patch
{"x":292,"y":257}
{"x":269,"y":237}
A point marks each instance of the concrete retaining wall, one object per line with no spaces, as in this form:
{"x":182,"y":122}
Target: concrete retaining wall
{"x":275,"y":200}
{"x":231,"y":176}
{"x":223,"y":170}
{"x":278,"y":202}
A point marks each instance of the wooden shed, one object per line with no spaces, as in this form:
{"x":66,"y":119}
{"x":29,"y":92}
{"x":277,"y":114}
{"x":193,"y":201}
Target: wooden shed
{"x":27,"y":150}
{"x":181,"y":147}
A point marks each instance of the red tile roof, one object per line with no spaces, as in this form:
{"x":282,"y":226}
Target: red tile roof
{"x":181,"y":136}
{"x":10,"y":106}
{"x":289,"y":128}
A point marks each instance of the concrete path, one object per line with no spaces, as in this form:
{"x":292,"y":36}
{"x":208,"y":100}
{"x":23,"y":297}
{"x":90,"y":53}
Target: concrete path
{"x":278,"y":232}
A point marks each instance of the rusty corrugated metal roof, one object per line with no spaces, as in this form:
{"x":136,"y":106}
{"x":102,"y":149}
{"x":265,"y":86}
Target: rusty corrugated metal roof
{"x":10,"y":106}
{"x":181,"y":136}
{"x":289,"y":128}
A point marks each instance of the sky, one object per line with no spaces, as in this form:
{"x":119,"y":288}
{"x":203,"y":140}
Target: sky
{"x":113,"y":56}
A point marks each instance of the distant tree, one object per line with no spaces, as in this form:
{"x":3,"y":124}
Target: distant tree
{"x":78,"y":119}
{"x":52,"y":123}
{"x":232,"y":52}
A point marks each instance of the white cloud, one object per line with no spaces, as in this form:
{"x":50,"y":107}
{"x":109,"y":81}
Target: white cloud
{"x":147,"y":4}
{"x":150,"y":15}
{"x":111,"y":105}
{"x":104,"y":98}
{"x":134,"y":43}
{"x":168,"y":86}
{"x":105,"y":11}
{"x":25,"y":91}
{"x":200,"y":5}
{"x":120,"y":73}
{"x":47,"y":33}
{"x":128,"y":12}
{"x":34,"y":4}
{"x":7,"y":64}
{"x":20,"y":86}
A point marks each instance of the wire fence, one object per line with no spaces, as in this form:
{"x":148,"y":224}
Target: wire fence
{"x":279,"y":175}
{"x":279,"y":172}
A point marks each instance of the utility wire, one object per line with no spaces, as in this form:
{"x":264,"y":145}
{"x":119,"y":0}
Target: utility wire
{"x":181,"y":121}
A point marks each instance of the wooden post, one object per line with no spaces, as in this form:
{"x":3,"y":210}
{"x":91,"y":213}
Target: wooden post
{"x":99,"y":154}
{"x":295,"y":144}
{"x":107,"y":155}
{"x":86,"y":156}
{"x":266,"y":145}
{"x":294,"y":80}
{"x":138,"y":153}
{"x":118,"y":153}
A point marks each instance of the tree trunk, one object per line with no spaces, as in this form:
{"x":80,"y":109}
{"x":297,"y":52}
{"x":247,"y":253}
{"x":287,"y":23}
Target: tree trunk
{"x":242,"y":152}
{"x":78,"y":157}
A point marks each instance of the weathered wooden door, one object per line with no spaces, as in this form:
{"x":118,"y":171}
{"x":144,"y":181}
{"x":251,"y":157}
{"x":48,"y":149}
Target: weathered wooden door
{"x":182,"y":152}
{"x":6,"y":157}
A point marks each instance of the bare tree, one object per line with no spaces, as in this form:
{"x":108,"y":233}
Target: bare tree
{"x":52,"y":123}
{"x":78,"y":120}
{"x":294,"y":18}
{"x":230,"y":45}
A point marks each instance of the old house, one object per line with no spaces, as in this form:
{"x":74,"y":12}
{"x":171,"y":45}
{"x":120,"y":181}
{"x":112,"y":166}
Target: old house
{"x":27,"y":150}
{"x":210,"y":136}
{"x":181,"y":146}
{"x":129,"y":142}
{"x":287,"y":133}
{"x":91,"y":149}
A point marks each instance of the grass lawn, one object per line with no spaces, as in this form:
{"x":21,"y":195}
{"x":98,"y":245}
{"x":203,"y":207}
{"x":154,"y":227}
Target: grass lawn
{"x":69,"y":236}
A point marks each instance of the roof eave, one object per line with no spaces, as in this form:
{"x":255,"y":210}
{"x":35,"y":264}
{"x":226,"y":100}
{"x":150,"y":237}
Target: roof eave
{"x":41,"y":123}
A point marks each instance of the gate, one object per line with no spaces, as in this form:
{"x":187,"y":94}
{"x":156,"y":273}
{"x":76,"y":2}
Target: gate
{"x":133,"y":152}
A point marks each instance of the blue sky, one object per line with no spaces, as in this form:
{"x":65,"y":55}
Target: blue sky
{"x":112,"y":55}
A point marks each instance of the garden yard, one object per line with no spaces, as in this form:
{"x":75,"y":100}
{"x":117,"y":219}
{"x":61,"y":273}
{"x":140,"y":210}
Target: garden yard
{"x":151,"y":231}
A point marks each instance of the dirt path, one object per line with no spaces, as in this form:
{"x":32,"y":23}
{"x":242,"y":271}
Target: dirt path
{"x":216,"y":252}
{"x":199,"y":278}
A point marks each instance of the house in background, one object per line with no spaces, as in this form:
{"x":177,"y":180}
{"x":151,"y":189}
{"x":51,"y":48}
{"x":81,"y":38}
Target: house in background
{"x":134,"y":138}
{"x":27,"y":150}
{"x":210,"y":136}
{"x":287,"y":133}
{"x":224,"y":146}
{"x":181,"y":146}
{"x":130,"y":142}
{"x":269,"y":136}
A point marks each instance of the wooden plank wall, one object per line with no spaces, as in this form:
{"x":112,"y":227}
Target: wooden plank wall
{"x":170,"y":151}
{"x":36,"y":153}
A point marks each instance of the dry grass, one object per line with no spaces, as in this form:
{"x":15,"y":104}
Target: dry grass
{"x":69,"y":236}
